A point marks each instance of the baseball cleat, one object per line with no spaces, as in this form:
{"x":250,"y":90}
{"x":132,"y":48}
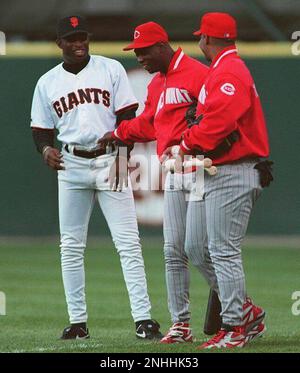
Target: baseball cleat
{"x":148,"y":329}
{"x":235,"y":338}
{"x":256,"y":332}
{"x":179,"y":332}
{"x":252,"y":315}
{"x":75,"y":332}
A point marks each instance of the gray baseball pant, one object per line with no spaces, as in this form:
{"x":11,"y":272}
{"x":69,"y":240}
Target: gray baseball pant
{"x":229,"y":198}
{"x":184,"y":224}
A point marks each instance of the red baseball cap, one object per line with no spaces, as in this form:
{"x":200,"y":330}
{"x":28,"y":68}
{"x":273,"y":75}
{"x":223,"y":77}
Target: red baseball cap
{"x":218,"y":25}
{"x":147,"y":34}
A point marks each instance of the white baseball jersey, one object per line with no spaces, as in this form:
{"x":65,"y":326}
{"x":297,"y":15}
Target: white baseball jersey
{"x":83,"y":106}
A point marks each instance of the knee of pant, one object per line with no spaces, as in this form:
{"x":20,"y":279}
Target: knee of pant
{"x":174,"y":253}
{"x":72,"y":257}
{"x":70,"y":254}
{"x":127,"y":245}
{"x":226,"y":257}
{"x":71,"y":245}
{"x":195,"y":253}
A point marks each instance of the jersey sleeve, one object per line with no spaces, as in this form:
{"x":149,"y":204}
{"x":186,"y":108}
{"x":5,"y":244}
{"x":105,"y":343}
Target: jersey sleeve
{"x":139,"y":129}
{"x":124,"y":98}
{"x":227,"y":100}
{"x":40,"y":109}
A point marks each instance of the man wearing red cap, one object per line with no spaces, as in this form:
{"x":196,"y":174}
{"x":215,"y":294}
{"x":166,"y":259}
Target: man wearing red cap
{"x":229,"y":103}
{"x":170,"y":93}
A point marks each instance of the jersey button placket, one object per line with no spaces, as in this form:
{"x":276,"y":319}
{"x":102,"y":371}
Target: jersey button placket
{"x":83,"y":111}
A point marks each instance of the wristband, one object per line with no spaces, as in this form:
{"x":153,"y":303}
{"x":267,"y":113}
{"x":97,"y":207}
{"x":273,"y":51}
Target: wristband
{"x":45,"y":149}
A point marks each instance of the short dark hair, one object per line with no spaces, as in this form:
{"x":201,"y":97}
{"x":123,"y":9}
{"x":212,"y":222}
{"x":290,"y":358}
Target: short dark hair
{"x":222,"y":42}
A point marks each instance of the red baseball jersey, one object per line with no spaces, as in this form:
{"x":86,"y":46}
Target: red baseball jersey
{"x":229,"y":101}
{"x":169,"y":96}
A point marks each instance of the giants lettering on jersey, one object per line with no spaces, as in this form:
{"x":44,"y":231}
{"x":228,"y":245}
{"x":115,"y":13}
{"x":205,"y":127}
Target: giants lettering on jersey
{"x":173,"y":96}
{"x":82,"y":96}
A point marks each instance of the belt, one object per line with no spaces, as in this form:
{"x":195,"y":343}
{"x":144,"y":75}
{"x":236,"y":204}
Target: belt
{"x":253,"y":159}
{"x":89,"y":153}
{"x":223,"y":147}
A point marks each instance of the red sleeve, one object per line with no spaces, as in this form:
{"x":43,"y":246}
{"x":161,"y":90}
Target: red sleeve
{"x":139,"y":129}
{"x":227,"y":100}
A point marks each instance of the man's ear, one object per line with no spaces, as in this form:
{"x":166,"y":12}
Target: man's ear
{"x":59,"y":43}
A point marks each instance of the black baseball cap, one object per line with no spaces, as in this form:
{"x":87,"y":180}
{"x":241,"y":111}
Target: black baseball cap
{"x":71,"y":25}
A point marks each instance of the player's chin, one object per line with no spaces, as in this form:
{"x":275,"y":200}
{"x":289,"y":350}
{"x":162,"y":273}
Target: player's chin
{"x":150,"y":69}
{"x":79,"y":56}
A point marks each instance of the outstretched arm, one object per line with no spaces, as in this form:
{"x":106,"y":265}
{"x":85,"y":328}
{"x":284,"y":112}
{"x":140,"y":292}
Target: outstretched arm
{"x":130,"y":129}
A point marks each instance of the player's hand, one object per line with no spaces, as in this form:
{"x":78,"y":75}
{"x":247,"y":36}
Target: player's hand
{"x":118,"y":174}
{"x":179,"y":162}
{"x":106,"y":139}
{"x":190,"y":114}
{"x":166,"y":154}
{"x":53,"y":158}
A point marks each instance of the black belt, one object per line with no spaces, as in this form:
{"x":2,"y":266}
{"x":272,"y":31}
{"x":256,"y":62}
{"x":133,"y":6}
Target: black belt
{"x":222,"y":148}
{"x":97,"y":151}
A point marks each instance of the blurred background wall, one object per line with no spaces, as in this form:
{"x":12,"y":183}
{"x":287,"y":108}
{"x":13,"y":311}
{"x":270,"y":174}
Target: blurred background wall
{"x":28,"y":201}
{"x":114,"y":19}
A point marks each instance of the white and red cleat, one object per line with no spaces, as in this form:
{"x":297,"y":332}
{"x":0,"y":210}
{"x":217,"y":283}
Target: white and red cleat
{"x":256,"y":332}
{"x":253,"y":317}
{"x":226,"y":339}
{"x":180,"y":332}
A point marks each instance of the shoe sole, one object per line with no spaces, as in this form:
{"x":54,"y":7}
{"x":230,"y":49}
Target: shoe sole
{"x":213,"y":348}
{"x":154,"y":338}
{"x":74,"y":339}
{"x":174,"y":342}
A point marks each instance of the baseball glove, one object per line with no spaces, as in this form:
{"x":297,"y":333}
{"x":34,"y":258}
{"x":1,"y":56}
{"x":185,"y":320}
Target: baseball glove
{"x":265,"y":172}
{"x":190,"y":115}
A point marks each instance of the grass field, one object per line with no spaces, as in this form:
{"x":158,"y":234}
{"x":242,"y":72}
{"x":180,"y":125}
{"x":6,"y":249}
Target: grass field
{"x":36,"y":311}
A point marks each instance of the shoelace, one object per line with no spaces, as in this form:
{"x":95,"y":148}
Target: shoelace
{"x":175,"y":331}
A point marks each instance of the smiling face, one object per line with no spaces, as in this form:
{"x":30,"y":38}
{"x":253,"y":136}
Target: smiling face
{"x":75,"y":47}
{"x":151,"y":58}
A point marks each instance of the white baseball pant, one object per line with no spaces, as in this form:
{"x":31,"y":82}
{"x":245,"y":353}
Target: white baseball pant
{"x":82,"y":183}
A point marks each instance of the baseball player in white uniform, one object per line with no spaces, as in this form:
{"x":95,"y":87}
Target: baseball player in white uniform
{"x":83,"y":98}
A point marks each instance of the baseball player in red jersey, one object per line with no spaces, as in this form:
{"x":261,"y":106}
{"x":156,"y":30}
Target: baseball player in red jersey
{"x":172,"y":90}
{"x":83,"y":98}
{"x":229,"y":102}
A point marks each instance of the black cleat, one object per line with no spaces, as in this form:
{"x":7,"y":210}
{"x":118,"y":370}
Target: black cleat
{"x":75,"y":331}
{"x":148,"y":329}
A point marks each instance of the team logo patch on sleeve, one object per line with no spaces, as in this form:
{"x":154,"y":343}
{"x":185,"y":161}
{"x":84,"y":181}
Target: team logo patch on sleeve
{"x":228,"y":89}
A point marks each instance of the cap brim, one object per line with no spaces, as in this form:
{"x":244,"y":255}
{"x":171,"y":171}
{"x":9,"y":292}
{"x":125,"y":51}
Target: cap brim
{"x":73,"y":33}
{"x":198,"y":32}
{"x":139,"y":46}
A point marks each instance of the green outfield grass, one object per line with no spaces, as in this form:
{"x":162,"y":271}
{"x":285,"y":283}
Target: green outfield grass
{"x":36,"y":311}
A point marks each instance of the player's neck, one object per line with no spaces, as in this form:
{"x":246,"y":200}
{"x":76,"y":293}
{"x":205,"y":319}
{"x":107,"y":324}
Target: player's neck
{"x":75,"y":68}
{"x":167,"y":60}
